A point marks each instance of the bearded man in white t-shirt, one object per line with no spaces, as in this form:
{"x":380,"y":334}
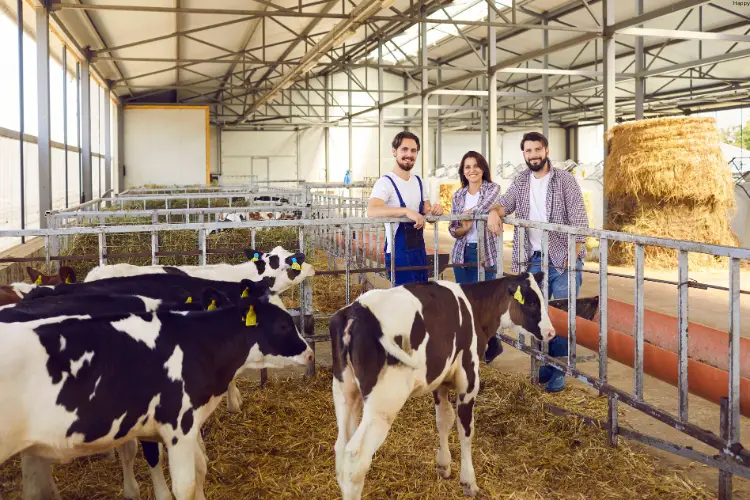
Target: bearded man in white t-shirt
{"x":545,"y":194}
{"x":401,"y":194}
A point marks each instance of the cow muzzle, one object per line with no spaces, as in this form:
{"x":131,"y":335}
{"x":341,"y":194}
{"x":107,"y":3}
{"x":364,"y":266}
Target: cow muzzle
{"x":548,"y":334}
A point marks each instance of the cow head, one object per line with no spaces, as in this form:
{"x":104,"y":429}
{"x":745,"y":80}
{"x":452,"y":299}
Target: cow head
{"x":526,"y":312}
{"x":283,"y":269}
{"x":279,"y":343}
{"x":66,"y":275}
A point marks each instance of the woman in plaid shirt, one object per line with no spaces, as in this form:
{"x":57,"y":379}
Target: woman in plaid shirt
{"x":478,"y":194}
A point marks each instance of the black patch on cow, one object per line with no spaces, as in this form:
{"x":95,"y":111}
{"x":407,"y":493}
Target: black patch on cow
{"x":151,"y":452}
{"x":464,"y":337}
{"x":339,"y":351}
{"x":260,"y":265}
{"x":174,"y":440}
{"x":68,"y":305}
{"x":187,"y":422}
{"x":391,"y":360}
{"x":466,"y":415}
{"x":292,"y":274}
{"x":174,"y":271}
{"x":270,"y":281}
{"x":274,"y":261}
{"x":417,"y":331}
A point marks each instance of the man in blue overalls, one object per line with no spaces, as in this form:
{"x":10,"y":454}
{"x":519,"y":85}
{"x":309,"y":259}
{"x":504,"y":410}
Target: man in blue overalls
{"x":400,"y":194}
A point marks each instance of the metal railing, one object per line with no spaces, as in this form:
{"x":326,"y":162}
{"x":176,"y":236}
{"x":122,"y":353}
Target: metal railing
{"x":326,"y":233}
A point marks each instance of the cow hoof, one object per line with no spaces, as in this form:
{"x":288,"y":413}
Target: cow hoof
{"x":444,"y":471}
{"x":470,"y":490}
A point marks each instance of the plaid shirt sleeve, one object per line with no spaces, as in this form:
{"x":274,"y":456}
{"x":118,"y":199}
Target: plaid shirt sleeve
{"x":576,"y":209}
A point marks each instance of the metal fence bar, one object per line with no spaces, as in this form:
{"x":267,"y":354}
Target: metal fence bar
{"x":480,"y":249}
{"x":638,"y":322}
{"x":500,"y":253}
{"x":603,"y":297}
{"x":545,"y":268}
{"x":572,"y":295}
{"x":202,"y":246}
{"x":435,"y":245}
{"x":734,"y":352}
{"x":347,"y":260}
{"x":102,"y":249}
{"x":392,"y":229}
{"x":725,"y":478}
{"x":682,"y":341}
{"x":522,"y":257}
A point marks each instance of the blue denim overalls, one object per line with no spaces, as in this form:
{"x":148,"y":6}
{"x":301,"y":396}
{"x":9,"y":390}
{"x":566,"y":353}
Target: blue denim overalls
{"x":408,"y":245}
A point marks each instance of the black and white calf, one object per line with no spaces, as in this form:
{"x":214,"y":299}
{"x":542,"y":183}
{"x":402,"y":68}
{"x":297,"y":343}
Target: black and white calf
{"x":279,"y":267}
{"x":410,"y":340}
{"x":68,"y":387}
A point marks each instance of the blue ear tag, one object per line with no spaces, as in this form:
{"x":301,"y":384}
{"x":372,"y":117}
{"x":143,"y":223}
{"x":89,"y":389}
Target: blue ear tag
{"x":255,"y":257}
{"x":295,"y":266}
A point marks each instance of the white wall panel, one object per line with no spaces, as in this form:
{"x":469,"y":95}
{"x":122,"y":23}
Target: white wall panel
{"x":165,"y":146}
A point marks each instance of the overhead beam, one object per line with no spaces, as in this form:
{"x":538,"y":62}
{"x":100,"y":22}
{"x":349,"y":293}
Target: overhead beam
{"x":654,"y":14}
{"x":684,"y":35}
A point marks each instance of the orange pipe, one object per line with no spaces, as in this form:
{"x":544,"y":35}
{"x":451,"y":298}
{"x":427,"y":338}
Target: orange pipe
{"x":705,"y":344}
{"x":705,"y":381}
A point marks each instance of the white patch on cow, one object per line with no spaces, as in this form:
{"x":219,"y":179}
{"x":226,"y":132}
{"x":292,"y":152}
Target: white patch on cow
{"x":256,"y":360}
{"x":96,"y":384}
{"x":140,"y":329}
{"x":63,"y":343}
{"x":23,"y":289}
{"x":174,"y":365}
{"x":150,"y":304}
{"x":7,"y":306}
{"x":545,"y":325}
{"x":347,"y":332}
{"x":180,"y":313}
{"x":76,"y":365}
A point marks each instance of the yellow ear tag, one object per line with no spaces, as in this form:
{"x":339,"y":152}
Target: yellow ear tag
{"x":251,"y":319}
{"x":67,"y":280}
{"x":212,"y":305}
{"x":189,"y":300}
{"x":518,"y":295}
{"x":38,"y":280}
{"x":295,"y":265}
{"x":245,"y":293}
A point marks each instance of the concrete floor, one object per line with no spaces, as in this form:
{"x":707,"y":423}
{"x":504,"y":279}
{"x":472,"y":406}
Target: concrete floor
{"x":707,"y":307}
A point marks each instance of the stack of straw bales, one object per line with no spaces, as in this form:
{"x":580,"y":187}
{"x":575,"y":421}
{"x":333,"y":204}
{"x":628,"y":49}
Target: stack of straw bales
{"x":666,"y":177}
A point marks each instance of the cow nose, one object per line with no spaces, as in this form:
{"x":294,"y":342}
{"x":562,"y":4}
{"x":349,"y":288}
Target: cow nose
{"x":309,"y":355}
{"x":548,"y":334}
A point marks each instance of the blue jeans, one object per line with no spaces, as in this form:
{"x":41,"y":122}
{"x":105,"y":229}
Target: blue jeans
{"x":558,"y":287}
{"x":471,"y":274}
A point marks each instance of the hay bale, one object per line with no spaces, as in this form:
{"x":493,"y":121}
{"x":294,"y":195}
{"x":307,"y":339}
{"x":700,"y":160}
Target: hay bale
{"x":281,"y":446}
{"x":667,"y":178}
{"x":447,"y":190}
{"x":668,"y":160}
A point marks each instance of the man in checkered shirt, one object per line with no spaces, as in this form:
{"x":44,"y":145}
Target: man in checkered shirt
{"x":546,"y":194}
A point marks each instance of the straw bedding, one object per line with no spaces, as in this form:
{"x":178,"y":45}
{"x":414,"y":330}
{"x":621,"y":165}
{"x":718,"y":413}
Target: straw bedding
{"x":666,"y":177}
{"x":281,"y":446}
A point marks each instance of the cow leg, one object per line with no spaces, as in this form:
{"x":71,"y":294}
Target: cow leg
{"x":444,"y":417}
{"x":127,"y":452}
{"x":234,"y":399}
{"x":347,"y":401}
{"x":201,"y":468}
{"x":182,"y":466}
{"x":37,"y":481}
{"x":380,"y":410}
{"x":154,"y":453}
{"x":465,"y":405}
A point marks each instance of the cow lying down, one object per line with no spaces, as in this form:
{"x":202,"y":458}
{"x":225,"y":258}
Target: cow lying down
{"x":68,"y":387}
{"x":414,"y":339}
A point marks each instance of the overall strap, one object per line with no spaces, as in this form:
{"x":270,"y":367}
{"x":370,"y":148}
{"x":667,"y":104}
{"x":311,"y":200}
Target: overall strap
{"x":398,"y":193}
{"x":421,"y":195}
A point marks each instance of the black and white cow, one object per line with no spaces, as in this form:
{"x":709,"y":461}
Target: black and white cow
{"x":68,"y":387}
{"x":410,"y":340}
{"x":280,"y":267}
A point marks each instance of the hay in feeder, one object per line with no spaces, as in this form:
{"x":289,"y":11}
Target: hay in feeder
{"x":667,"y":178}
{"x":281,"y":446}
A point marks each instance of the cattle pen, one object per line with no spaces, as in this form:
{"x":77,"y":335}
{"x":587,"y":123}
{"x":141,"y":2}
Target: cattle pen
{"x":332,"y":227}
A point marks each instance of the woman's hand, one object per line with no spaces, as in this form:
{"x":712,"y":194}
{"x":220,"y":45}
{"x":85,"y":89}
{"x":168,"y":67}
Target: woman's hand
{"x":467,"y":223}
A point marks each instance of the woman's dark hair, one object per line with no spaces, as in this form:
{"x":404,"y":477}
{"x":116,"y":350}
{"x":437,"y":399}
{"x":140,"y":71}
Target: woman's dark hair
{"x":401,"y":136}
{"x":481,"y":163}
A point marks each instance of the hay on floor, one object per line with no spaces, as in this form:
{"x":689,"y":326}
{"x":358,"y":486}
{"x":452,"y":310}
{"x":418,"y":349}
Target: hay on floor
{"x":667,"y":178}
{"x":281,"y":446}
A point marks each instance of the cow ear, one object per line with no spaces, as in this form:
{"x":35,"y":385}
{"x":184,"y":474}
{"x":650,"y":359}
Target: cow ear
{"x":515,"y":290}
{"x":297,"y":258}
{"x":251,"y":292}
{"x":253,"y":255}
{"x":213,"y":299}
{"x":36,"y":276}
{"x":67,"y":275}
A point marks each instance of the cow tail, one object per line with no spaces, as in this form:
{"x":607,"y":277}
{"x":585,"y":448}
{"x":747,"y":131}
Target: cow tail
{"x":397,"y":352}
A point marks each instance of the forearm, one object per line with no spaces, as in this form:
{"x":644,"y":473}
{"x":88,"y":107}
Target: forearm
{"x":461,"y":232}
{"x":499,"y":209}
{"x":386,"y":211}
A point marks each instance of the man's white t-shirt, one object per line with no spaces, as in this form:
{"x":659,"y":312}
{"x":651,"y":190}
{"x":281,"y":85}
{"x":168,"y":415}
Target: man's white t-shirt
{"x":470,"y":201}
{"x":537,"y":208}
{"x":409,"y":190}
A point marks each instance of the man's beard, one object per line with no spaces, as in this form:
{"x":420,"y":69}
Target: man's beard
{"x":537,"y":168}
{"x":406,"y":166}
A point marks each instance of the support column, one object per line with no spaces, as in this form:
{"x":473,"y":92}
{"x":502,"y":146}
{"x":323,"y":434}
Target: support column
{"x":425,"y":98}
{"x":327,"y":130}
{"x":87,"y":192}
{"x":349,"y":114}
{"x":439,"y":128}
{"x":381,"y":109}
{"x":121,"y":149}
{"x":65,"y":117}
{"x":107,"y":143}
{"x":545,"y":83}
{"x":640,"y":82}
{"x":608,"y":11}
{"x":492,"y":155}
{"x":482,"y":81}
{"x":43,"y":100}
{"x":19,"y":7}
